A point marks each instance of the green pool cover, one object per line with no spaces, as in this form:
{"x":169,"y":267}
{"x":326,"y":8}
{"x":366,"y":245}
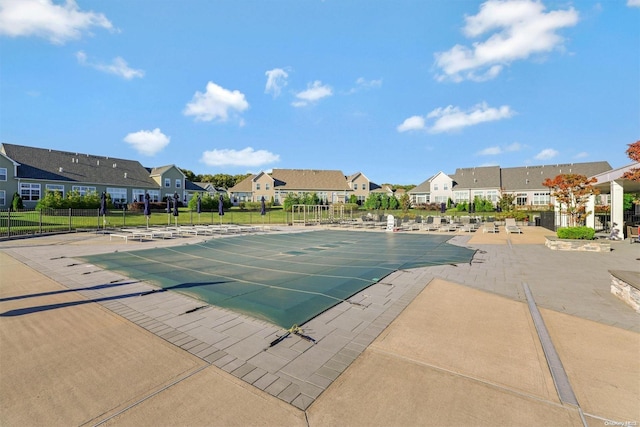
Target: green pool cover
{"x":285,"y":279}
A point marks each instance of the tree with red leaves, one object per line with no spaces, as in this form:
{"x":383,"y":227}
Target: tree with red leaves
{"x":572,"y":192}
{"x":634,"y":154}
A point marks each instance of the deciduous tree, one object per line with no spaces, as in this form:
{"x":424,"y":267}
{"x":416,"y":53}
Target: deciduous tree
{"x":572,"y":192}
{"x":634,"y":154}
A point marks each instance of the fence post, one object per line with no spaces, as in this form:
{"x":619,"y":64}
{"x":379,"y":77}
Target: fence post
{"x":9,"y":223}
{"x":40,"y":222}
{"x":69,"y":219}
{"x":124,"y":221}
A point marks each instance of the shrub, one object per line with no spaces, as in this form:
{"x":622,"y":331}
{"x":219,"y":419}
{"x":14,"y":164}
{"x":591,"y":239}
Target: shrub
{"x":16,"y":203}
{"x":582,"y":233}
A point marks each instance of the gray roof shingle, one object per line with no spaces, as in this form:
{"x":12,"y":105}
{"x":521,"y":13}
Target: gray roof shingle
{"x":54,"y":165}
{"x":480,"y":177}
{"x":531,"y":177}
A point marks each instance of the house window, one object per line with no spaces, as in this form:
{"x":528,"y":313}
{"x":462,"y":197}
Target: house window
{"x":446,"y":187}
{"x":118,"y":195}
{"x":541,"y":198}
{"x":82,"y":190}
{"x":3,"y":174}
{"x":178,"y":183}
{"x":492,"y":195}
{"x":30,"y":191}
{"x":460,"y":196}
{"x":257,"y":185}
{"x":435,"y":187}
{"x":3,"y":198}
{"x":167,"y":182}
{"x":138,"y":195}
{"x":55,"y":187}
{"x":521,"y":199}
{"x":267,"y":186}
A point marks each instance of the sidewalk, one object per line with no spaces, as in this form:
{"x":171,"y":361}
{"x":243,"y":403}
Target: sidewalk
{"x":463,"y":351}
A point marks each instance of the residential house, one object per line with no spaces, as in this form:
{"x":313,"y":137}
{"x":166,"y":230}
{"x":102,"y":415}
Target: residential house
{"x":490,"y":182}
{"x":469,"y":183}
{"x":361,"y":186}
{"x":525,"y":182}
{"x":329,"y":185}
{"x":33,"y":171}
{"x":171,"y":181}
{"x":436,"y":189}
{"x":8,"y":183}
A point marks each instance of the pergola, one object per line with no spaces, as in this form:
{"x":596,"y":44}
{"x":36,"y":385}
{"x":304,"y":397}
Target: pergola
{"x":612,"y":183}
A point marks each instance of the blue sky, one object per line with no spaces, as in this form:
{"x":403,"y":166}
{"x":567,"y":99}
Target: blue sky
{"x":396,"y":89}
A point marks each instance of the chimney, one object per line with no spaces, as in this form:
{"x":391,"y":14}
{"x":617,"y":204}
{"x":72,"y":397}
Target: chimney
{"x":60,"y":169}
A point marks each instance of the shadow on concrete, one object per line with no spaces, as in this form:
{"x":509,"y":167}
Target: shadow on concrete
{"x":39,"y":308}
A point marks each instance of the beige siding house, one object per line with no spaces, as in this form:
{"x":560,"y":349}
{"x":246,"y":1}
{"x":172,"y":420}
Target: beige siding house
{"x":361,"y":186}
{"x":330,"y":186}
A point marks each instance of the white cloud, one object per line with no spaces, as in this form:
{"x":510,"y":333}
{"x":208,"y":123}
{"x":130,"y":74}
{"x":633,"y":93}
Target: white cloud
{"x":495,"y":150}
{"x":118,"y":67}
{"x":412,"y":123}
{"x":491,"y":151}
{"x":43,"y":18}
{"x":517,"y":29}
{"x":215,"y":103}
{"x":546,"y":154}
{"x":315,"y":91}
{"x":276,"y":80}
{"x":516,"y":146}
{"x":245,"y":157}
{"x":581,"y":155}
{"x":147,"y":142}
{"x":452,"y":118}
{"x":633,"y":3}
{"x":364,"y":84}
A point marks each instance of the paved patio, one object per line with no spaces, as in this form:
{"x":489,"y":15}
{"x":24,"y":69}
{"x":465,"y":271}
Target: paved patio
{"x":441,"y":345}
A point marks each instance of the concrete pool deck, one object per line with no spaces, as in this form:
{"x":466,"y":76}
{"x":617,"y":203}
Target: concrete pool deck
{"x":454,"y":345}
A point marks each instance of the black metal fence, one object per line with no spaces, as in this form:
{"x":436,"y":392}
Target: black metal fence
{"x":46,"y":221}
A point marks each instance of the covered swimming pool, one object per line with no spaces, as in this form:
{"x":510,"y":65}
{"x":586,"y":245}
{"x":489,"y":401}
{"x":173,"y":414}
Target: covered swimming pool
{"x":286,"y":279}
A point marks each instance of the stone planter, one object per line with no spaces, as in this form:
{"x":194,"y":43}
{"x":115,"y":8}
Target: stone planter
{"x":624,"y":285}
{"x":557,"y":244}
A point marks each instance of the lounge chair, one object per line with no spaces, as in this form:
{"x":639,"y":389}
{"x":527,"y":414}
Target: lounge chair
{"x":490,"y":227}
{"x":511,"y":227}
{"x":433,"y":225}
{"x":632,"y":233}
{"x":447,"y":225}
